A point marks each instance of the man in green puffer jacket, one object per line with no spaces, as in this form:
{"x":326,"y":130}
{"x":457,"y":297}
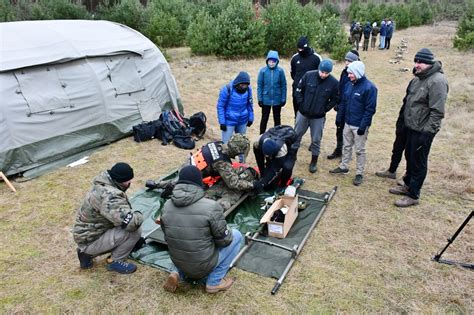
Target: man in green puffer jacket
{"x":200,"y":243}
{"x":424,"y":110}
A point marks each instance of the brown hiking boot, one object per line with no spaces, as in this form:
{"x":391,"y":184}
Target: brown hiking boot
{"x":225,"y":284}
{"x":172,"y":282}
{"x":386,"y":174}
{"x":399,"y":190}
{"x":406,"y":202}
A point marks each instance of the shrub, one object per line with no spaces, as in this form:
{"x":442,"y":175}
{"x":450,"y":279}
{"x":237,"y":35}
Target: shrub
{"x":464,"y":38}
{"x":42,"y":10}
{"x":7,"y":11}
{"x":332,"y":38}
{"x":167,"y":22}
{"x":198,"y":37}
{"x":128,"y":12}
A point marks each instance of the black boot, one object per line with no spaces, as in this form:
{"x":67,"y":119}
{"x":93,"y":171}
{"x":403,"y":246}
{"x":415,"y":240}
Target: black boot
{"x":85,"y":260}
{"x":313,"y":165}
{"x":336,"y":154}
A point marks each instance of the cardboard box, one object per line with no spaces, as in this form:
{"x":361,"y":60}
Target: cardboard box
{"x":281,"y":229}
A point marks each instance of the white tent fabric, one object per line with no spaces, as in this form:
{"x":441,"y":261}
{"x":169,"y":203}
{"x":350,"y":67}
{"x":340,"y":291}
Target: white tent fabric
{"x":68,"y":85}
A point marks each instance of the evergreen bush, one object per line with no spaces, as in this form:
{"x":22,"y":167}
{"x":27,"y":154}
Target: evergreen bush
{"x":464,"y":38}
{"x":128,"y":12}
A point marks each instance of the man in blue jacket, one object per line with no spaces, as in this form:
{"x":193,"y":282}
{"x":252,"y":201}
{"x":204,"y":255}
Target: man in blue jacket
{"x":271,"y":90}
{"x":235,"y":107}
{"x":357,"y":107}
{"x":317,"y":93}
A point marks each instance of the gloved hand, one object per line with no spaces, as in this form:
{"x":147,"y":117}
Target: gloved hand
{"x":167,"y":191}
{"x":249,"y":123}
{"x":260,"y":103}
{"x":283,"y":104}
{"x":223,"y":127}
{"x":257,"y":187}
{"x":360,"y":132}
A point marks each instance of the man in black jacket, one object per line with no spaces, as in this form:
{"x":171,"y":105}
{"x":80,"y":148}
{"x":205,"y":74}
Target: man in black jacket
{"x":317,"y":93}
{"x":303,"y":61}
{"x":200,"y":243}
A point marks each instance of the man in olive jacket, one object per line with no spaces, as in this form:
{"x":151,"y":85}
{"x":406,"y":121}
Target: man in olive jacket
{"x":424,"y":110}
{"x":199,"y":241}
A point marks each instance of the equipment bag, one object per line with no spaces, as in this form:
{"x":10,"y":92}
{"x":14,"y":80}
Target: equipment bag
{"x":144,"y":131}
{"x":173,"y":127}
{"x":197,"y":122}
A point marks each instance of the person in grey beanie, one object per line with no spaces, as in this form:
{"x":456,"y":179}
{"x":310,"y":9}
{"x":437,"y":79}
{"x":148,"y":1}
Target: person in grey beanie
{"x":424,"y":110}
{"x":351,"y":56}
{"x":317,"y":93}
{"x":357,"y":108}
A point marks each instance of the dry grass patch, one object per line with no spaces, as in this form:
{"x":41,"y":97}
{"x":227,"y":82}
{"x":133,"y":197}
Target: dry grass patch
{"x":365,"y":255}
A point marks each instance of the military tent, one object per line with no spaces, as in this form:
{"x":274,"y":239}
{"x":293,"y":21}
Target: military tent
{"x":67,"y":86}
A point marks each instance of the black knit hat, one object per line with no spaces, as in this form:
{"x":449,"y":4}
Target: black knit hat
{"x":424,"y":55}
{"x":121,"y":172}
{"x":302,"y":42}
{"x":190,"y":174}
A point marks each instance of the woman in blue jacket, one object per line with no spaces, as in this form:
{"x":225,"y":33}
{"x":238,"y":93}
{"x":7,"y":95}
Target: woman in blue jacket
{"x":235,"y":107}
{"x":271,"y":90}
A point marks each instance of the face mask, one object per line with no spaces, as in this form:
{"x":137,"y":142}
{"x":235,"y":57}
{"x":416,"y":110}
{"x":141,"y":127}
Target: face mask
{"x":241,"y":90}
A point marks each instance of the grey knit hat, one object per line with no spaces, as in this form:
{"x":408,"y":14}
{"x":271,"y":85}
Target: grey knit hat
{"x":424,"y":55}
{"x":357,"y":68}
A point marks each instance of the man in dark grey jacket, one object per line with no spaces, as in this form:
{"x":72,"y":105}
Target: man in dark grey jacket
{"x":317,"y":93}
{"x":199,"y":241}
{"x":424,"y":109}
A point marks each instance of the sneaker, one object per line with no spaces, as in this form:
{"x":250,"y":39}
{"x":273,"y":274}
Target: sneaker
{"x":386,"y":174}
{"x":399,"y":190}
{"x":406,"y":202}
{"x":313,"y":168}
{"x":85,"y":260}
{"x":121,"y":267}
{"x":339,"y":170}
{"x":172,"y":282}
{"x":358,"y":179}
{"x":337,"y":153}
{"x":225,"y":284}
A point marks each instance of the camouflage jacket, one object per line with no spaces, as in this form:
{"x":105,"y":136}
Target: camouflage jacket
{"x":105,"y":207}
{"x":234,"y":179}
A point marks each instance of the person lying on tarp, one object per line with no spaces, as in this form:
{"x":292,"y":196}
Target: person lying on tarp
{"x":225,"y":182}
{"x":275,"y":152}
{"x":200,"y":243}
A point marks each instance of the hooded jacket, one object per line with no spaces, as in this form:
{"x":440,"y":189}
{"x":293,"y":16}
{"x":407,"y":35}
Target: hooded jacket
{"x":426,"y":99}
{"x":316,"y":96}
{"x":303,"y":62}
{"x":271,"y":83}
{"x":233,"y":108}
{"x":358,"y":104}
{"x":194,"y":229}
{"x":105,"y":207}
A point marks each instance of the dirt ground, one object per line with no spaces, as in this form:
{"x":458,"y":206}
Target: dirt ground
{"x":366,"y":255}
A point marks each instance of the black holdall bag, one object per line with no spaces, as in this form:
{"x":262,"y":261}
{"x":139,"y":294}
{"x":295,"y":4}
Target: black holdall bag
{"x":184,"y":142}
{"x":144,"y":131}
{"x":197,"y":122}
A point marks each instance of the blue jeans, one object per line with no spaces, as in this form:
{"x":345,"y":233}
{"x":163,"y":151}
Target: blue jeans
{"x":226,"y":135}
{"x":226,"y":255}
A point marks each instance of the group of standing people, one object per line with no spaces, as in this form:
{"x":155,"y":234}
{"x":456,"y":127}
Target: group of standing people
{"x":369,"y":33}
{"x":201,"y":244}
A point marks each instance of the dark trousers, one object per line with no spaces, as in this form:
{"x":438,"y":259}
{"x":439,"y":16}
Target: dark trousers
{"x":339,"y":138}
{"x":274,"y":172}
{"x":266,"y":115}
{"x":387,"y":42}
{"x":398,"y":148}
{"x":417,"y":150}
{"x":295,"y":103}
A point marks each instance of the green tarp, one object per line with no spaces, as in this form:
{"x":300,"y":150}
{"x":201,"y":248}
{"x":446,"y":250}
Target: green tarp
{"x":262,"y":259}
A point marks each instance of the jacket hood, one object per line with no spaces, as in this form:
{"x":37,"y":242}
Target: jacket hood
{"x":186,"y":194}
{"x":436,"y":67}
{"x":242,"y":77}
{"x":273,"y":54}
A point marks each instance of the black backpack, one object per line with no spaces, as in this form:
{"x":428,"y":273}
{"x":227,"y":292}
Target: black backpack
{"x":144,"y":131}
{"x":173,"y":127}
{"x":197,"y":122}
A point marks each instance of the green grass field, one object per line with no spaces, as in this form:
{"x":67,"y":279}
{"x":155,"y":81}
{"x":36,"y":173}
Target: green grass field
{"x":365,"y":256}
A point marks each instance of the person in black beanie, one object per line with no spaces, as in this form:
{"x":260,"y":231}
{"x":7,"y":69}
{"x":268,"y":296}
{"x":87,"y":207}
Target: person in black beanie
{"x":352,"y":55}
{"x":201,"y":245}
{"x":424,"y":110}
{"x":304,"y":60}
{"x":106,"y":222}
